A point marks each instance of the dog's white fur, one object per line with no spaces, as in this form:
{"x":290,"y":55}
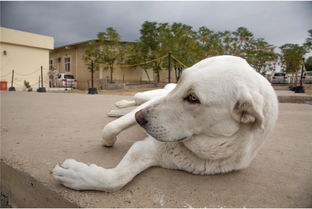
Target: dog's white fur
{"x":140,"y":98}
{"x":221,"y":132}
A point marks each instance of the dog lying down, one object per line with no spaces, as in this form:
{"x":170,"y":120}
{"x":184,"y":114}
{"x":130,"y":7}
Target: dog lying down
{"x":213,"y":121}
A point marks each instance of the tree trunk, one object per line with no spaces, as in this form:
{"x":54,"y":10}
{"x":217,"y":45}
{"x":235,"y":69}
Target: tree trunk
{"x":176,"y":72}
{"x":292,"y":81}
{"x":111,"y":74}
{"x":296,"y":78}
{"x":179,"y":73}
{"x":147,"y":75}
{"x":158,"y":77}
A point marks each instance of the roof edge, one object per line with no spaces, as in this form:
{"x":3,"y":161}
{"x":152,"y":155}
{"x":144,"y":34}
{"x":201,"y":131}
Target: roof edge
{"x":84,"y":42}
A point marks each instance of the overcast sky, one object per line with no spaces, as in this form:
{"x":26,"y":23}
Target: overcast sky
{"x":71,"y":22}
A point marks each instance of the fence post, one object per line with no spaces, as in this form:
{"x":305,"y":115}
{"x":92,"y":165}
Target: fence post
{"x":41,"y":89}
{"x":12,"y":88}
{"x":169,"y":67}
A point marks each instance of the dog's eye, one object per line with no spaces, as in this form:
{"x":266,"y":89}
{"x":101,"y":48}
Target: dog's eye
{"x":192,"y":98}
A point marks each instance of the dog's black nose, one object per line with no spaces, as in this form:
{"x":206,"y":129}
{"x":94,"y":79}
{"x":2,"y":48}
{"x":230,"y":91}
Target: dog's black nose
{"x":140,"y":119}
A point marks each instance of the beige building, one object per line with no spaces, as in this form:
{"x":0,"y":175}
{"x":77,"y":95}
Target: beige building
{"x":24,"y":53}
{"x":70,"y":59}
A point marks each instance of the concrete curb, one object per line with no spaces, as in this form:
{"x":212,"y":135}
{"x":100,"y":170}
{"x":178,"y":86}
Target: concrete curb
{"x":23,"y":190}
{"x":300,"y":99}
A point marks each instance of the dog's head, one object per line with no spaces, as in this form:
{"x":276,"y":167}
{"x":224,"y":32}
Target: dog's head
{"x":211,"y":99}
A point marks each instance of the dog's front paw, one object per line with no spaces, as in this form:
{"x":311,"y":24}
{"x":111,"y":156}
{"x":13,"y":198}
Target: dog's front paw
{"x":108,"y":136}
{"x":73,"y":174}
{"x":108,"y":142}
{"x":80,"y":176}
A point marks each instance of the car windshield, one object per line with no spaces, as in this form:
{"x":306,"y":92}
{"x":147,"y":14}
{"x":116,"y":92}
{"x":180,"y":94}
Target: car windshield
{"x":279,"y":74}
{"x":309,"y":73}
{"x":69,"y":76}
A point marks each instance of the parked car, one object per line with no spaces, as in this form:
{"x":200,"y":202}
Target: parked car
{"x":66,"y":80}
{"x":307,"y":76}
{"x":279,"y":78}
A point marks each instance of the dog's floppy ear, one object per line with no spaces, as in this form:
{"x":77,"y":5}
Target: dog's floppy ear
{"x":248,"y":109}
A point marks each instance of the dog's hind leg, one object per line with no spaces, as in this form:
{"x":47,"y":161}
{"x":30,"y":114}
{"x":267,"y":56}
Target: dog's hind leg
{"x":140,"y":98}
{"x":125,"y":103}
{"x":80,"y":176}
{"x":112,"y":129}
{"x":118,"y":112}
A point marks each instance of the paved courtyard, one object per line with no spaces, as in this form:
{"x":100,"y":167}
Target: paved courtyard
{"x":40,"y":130}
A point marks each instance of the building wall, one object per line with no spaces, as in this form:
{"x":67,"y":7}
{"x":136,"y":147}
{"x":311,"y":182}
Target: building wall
{"x":78,"y":68}
{"x":24,"y":53}
{"x":26,"y":39}
{"x":101,"y":76}
{"x":26,"y":63}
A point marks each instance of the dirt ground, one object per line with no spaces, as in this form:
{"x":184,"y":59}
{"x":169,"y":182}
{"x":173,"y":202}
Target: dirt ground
{"x":39,"y":130}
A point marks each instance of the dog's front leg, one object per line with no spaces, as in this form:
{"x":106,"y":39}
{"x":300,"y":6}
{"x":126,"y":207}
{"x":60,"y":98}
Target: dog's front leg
{"x":80,"y":176}
{"x":112,"y":129}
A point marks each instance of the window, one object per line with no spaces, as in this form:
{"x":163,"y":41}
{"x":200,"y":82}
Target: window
{"x":51,"y":63}
{"x":69,"y":76}
{"x":279,"y":74}
{"x":67,"y":64}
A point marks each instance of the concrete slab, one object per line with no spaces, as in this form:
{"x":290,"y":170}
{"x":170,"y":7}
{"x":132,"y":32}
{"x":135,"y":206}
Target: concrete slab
{"x":39,"y":130}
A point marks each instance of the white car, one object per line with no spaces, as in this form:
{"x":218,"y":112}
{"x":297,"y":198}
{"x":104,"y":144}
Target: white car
{"x":66,"y":80}
{"x":279,"y":78}
{"x":307,"y":76}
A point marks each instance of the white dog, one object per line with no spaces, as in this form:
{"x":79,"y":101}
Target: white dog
{"x":214,"y":121}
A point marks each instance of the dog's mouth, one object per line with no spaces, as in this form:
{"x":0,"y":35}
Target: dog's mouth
{"x":154,"y":130}
{"x":174,"y":140}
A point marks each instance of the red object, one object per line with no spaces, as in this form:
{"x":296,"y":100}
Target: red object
{"x":3,"y":85}
{"x":75,"y":80}
{"x":64,"y":80}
